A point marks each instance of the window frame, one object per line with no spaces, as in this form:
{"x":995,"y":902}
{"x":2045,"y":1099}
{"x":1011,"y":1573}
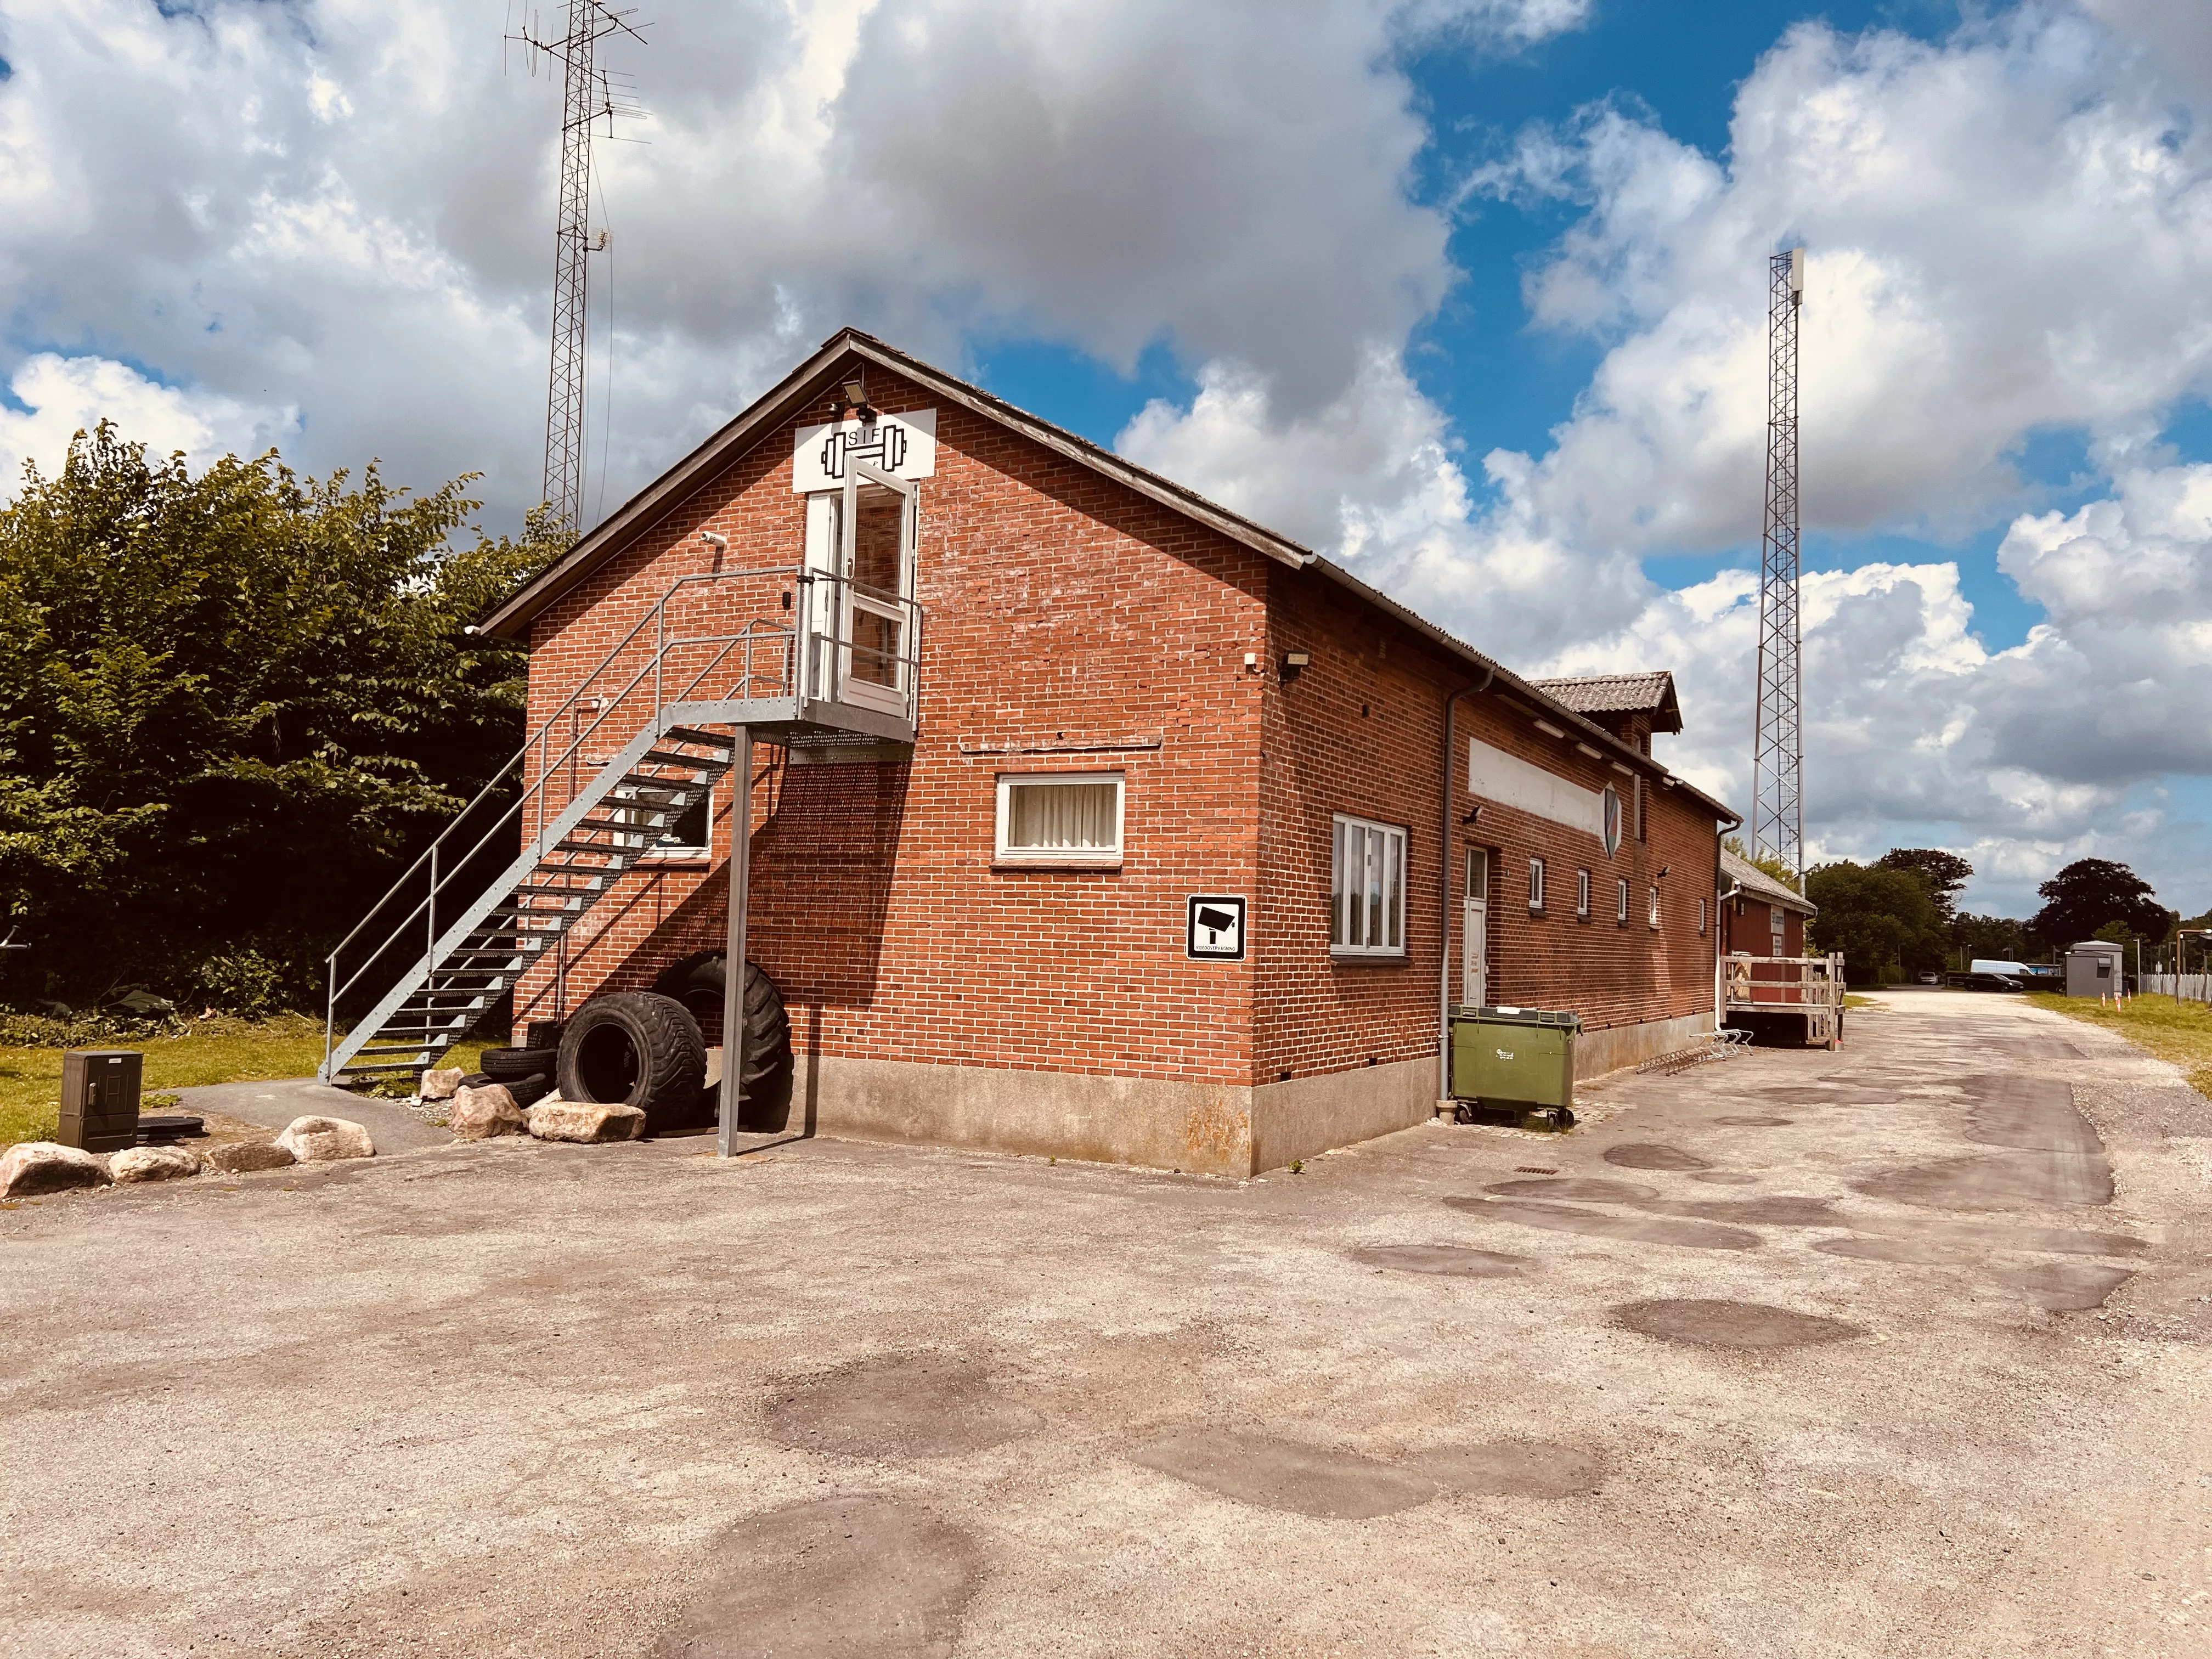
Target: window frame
{"x":1339,"y":947}
{"x":1536,"y":895}
{"x":1701,"y":918}
{"x":1654,"y":909}
{"x":1582,"y":895}
{"x":668,"y":852}
{"x":1621,"y":901}
{"x":1049,"y":858}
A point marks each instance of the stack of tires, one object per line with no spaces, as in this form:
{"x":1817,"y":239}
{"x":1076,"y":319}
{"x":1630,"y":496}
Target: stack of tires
{"x":648,"y":1049}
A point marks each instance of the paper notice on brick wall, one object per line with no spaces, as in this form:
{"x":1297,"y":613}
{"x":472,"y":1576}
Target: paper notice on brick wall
{"x":904,"y":446}
{"x":1493,"y":775}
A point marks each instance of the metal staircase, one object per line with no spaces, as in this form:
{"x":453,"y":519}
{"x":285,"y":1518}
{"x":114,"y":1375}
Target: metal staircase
{"x":485,"y":916}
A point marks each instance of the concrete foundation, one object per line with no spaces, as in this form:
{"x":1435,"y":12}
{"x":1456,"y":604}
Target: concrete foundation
{"x":1207,"y":1128}
{"x":1597,"y":1052}
{"x":1204,"y":1129}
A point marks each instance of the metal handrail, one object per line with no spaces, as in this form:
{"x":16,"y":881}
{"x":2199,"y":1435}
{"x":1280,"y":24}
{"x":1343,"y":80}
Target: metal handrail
{"x":792,"y":673}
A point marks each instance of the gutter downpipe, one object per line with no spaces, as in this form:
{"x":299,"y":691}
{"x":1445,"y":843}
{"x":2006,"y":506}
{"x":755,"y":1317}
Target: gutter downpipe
{"x":1720,"y":832}
{"x":1444,"y":856}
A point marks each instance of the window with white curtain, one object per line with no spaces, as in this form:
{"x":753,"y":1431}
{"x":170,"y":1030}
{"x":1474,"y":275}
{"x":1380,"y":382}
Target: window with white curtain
{"x":1582,"y":894}
{"x":1367,"y":888}
{"x":1060,"y":818}
{"x":1620,"y":900}
{"x":1535,"y":886}
{"x":1654,"y":907}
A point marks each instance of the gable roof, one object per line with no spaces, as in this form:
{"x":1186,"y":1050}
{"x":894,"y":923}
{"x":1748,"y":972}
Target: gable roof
{"x":1759,"y":884}
{"x":806,"y":383}
{"x":1649,"y":693}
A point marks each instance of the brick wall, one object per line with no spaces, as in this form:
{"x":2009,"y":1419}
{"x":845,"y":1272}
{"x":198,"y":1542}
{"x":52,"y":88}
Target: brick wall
{"x":1361,"y":731}
{"x":1071,"y":625}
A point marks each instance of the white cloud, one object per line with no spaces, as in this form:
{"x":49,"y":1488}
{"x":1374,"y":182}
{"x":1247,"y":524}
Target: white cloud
{"x":346,"y":205}
{"x":2010,"y":232}
{"x":63,"y":396}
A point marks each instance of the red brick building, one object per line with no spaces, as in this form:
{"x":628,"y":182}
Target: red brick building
{"x":1164,"y":840}
{"x":1760,"y":916}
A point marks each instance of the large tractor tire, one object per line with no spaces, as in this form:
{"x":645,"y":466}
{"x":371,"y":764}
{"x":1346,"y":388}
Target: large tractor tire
{"x":699,"y":982}
{"x":506,"y":1064}
{"x":634,"y":1049}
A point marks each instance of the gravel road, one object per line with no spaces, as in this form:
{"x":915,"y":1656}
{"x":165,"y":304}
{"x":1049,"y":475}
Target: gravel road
{"x":1896,"y":1351}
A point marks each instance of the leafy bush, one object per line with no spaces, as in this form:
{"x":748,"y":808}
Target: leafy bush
{"x":243,"y":982}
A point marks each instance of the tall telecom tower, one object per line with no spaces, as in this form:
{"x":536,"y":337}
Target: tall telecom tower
{"x":588,"y":95}
{"x":1777,"y":754}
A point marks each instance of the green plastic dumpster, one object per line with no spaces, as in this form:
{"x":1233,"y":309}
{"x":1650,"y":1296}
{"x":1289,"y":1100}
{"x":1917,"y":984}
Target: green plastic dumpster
{"x":1515,"y":1056}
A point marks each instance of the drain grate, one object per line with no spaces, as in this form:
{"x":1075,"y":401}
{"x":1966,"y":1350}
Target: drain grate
{"x":1531,"y":1169}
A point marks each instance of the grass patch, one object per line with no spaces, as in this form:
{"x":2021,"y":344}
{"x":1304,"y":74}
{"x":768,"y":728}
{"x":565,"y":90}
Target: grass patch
{"x":1853,"y":1000}
{"x":2178,"y":1031}
{"x":211,"y":1051}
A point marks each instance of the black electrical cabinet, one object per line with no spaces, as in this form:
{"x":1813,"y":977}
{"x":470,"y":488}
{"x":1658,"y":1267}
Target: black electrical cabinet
{"x":99,"y":1098}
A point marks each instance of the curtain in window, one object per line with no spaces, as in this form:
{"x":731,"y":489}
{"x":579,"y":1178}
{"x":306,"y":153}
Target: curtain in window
{"x":1061,"y":817}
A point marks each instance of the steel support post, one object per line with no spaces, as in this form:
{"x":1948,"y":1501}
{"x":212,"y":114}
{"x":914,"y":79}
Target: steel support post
{"x":733,"y":975}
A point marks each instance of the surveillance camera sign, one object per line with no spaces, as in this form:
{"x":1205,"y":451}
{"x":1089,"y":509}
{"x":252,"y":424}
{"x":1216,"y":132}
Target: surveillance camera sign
{"x":1215,"y":931}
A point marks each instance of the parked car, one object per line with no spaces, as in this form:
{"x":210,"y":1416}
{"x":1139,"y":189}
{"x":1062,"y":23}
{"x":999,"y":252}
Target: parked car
{"x":1988,"y":983}
{"x":1931,"y":979}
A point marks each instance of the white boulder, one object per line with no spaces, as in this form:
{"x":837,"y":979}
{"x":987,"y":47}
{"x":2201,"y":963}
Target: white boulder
{"x":46,"y":1166}
{"x":325,"y":1139}
{"x":440,"y":1086}
{"x":136,"y":1164}
{"x":574,"y":1120}
{"x":481,"y":1113}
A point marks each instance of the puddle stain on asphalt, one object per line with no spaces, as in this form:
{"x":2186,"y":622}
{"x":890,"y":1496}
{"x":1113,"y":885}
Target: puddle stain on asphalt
{"x":899,"y":1404}
{"x":1575,"y":1189}
{"x":1445,"y":1261}
{"x":1782,"y":1209}
{"x":1649,"y":1155}
{"x":2024,"y":1180}
{"x":1515,"y":1468}
{"x":1755,"y":1121}
{"x":1633,"y":1228}
{"x":1745,"y":1325}
{"x":2028,"y":1113}
{"x":1727,"y":1178}
{"x":2064,"y":1286}
{"x":1293,"y":1475}
{"x":1914,"y":1252}
{"x":861,"y":1573}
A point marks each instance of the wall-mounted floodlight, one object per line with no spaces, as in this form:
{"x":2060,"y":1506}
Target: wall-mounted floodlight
{"x":1296,"y":663}
{"x":1663,"y":869}
{"x":1796,"y":276}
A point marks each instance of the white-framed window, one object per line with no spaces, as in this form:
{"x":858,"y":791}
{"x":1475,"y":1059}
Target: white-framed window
{"x":1701,"y":918}
{"x":1620,"y":900}
{"x":1582,"y":894}
{"x":1535,"y":885}
{"x":1654,"y":907}
{"x":1060,"y":818}
{"x":1775,"y":911}
{"x":1366,"y":889}
{"x":687,"y":835}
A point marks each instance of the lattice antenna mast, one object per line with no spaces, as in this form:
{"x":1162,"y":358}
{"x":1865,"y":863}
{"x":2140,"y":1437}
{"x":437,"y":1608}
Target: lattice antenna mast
{"x":1777,"y":795}
{"x":588,"y":96}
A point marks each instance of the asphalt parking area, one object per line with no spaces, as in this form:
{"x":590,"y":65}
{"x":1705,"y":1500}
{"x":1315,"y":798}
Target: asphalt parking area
{"x":1897,"y":1349}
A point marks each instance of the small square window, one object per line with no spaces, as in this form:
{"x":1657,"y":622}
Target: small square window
{"x":1060,"y":818}
{"x":1620,"y":900}
{"x":685,"y":835}
{"x":1582,"y":894}
{"x":1535,"y":885}
{"x":1654,"y":907}
{"x":1367,"y":888}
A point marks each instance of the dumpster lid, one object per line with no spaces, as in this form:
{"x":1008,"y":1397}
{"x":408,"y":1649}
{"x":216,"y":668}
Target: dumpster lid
{"x":1521,"y":1016}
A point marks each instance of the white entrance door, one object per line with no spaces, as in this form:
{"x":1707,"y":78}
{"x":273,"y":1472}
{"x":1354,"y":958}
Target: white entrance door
{"x":1474,"y":931}
{"x":874,"y":636}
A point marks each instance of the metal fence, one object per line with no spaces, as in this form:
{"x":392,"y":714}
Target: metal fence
{"x":2190,"y":987}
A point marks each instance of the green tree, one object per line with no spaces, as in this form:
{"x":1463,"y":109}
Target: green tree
{"x":1880,"y":918}
{"x":232,"y":706}
{"x":1947,"y":873}
{"x":2091,"y":893}
{"x":1767,"y":864}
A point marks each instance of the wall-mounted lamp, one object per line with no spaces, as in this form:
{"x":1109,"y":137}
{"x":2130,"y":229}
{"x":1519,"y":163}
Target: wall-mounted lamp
{"x":715,"y":539}
{"x":1295,"y":662}
{"x":1473,"y":813}
{"x":1663,"y":872}
{"x":856,"y":399}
